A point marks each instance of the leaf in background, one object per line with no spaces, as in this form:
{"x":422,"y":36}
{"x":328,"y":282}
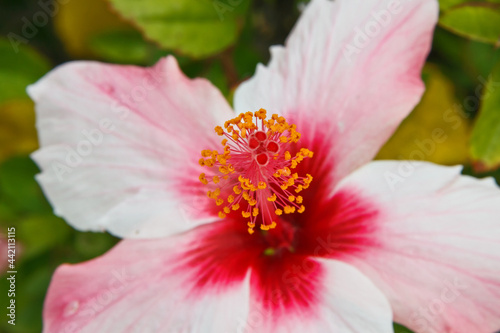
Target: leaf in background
{"x":18,"y":187}
{"x":90,"y":244}
{"x":482,"y":57}
{"x":124,"y":47}
{"x":479,"y":22}
{"x":401,"y":329}
{"x":447,"y":4}
{"x":217,"y":76}
{"x":41,"y":233}
{"x":485,"y":139}
{"x":78,"y":21}
{"x":436,"y":130}
{"x":17,"y":128}
{"x":18,"y":69}
{"x":196,"y":28}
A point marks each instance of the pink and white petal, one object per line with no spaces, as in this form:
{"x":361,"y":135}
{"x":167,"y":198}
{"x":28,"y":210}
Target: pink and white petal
{"x":436,"y":244}
{"x":348,"y":75}
{"x":120,"y":145}
{"x":315,"y":296}
{"x":156,"y":285}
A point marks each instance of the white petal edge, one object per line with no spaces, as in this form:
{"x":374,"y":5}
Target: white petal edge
{"x":120,"y":146}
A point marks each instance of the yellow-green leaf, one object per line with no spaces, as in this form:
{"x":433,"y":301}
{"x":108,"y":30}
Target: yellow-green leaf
{"x":19,"y":67}
{"x":196,"y":28}
{"x":479,"y":22}
{"x":78,"y":21}
{"x":485,"y":138}
{"x":17,"y":128}
{"x":436,"y":130}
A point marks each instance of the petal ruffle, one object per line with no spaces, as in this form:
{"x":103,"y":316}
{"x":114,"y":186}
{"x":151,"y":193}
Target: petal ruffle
{"x":120,"y":146}
{"x":435,"y":251}
{"x":347,"y":76}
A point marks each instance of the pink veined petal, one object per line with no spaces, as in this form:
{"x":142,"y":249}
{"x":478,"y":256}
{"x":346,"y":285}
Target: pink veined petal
{"x":349,"y":74}
{"x":120,"y":146}
{"x":436,"y":245}
{"x":212,"y":279}
{"x":315,"y":295}
{"x":147,"y":286}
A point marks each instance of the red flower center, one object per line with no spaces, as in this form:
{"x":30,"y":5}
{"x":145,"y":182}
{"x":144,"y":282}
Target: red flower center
{"x":254,"y":170}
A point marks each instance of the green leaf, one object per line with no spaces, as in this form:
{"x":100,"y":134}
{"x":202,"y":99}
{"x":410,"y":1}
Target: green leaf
{"x":41,"y":233}
{"x":480,"y":22}
{"x":485,"y":138}
{"x":124,"y":47}
{"x":20,"y":66}
{"x":196,"y":28}
{"x":400,"y":329}
{"x":447,"y":4}
{"x":18,"y":187}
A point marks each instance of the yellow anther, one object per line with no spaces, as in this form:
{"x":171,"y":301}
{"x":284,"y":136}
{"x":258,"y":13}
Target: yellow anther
{"x":272,"y":198}
{"x":235,"y":162}
{"x":203,"y":179}
{"x":219,"y":130}
{"x":255,"y":211}
{"x":236,"y":189}
{"x":261,"y":114}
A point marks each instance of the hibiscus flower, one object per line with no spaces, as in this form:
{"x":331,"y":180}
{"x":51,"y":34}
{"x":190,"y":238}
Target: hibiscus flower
{"x":336,"y":244}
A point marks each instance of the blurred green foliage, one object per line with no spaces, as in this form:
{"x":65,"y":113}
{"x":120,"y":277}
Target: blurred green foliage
{"x":196,"y":28}
{"x":221,"y":40}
